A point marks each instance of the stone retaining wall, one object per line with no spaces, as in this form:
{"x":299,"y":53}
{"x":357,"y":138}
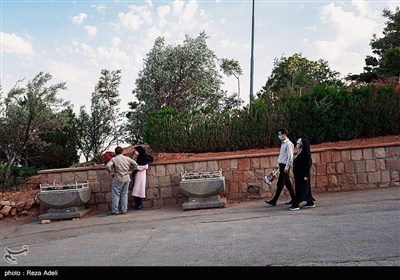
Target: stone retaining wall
{"x":334,"y":169}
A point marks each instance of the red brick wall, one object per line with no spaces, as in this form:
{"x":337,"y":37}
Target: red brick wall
{"x":334,"y":169}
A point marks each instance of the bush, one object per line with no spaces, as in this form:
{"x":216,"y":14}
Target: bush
{"x":18,"y":175}
{"x":326,"y":114}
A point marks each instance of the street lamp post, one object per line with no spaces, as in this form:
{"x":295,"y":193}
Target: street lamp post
{"x":252,"y":54}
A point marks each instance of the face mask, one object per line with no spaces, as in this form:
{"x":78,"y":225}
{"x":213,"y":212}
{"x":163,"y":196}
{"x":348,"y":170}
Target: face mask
{"x":280,"y":137}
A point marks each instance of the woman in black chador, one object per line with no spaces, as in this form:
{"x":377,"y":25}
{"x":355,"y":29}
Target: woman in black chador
{"x":301,"y":170}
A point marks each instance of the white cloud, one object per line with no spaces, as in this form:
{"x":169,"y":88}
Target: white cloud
{"x":364,"y":10}
{"x":152,"y":33}
{"x":115,"y":26}
{"x":329,"y":50}
{"x":116,"y":41}
{"x":350,"y":62}
{"x":226,"y":43}
{"x":140,"y":15}
{"x":311,"y":28}
{"x":189,"y":12}
{"x":114,"y":57}
{"x":130,"y":21}
{"x":144,"y":12}
{"x":101,"y":56}
{"x":178,"y":7}
{"x":79,"y":19}
{"x":80,"y":81}
{"x":89,"y":55}
{"x":149,"y":3}
{"x":392,"y":5}
{"x":349,"y":35}
{"x":64,"y":71}
{"x":162,"y":12}
{"x":349,"y":27}
{"x":101,"y":8}
{"x":12,"y":44}
{"x":91,"y":30}
{"x":75,"y":48}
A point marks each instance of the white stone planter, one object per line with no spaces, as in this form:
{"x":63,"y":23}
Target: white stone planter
{"x":65,"y":201}
{"x":203,"y":190}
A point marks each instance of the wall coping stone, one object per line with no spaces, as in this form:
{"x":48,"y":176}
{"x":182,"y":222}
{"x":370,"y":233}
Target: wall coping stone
{"x":240,"y":156}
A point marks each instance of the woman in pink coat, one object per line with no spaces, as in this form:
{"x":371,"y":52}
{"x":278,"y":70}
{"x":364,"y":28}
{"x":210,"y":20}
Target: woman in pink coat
{"x":139,"y":186}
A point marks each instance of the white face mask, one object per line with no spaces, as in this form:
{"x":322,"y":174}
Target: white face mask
{"x":299,"y":144}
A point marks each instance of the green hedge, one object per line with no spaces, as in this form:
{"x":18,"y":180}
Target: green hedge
{"x":326,"y":114}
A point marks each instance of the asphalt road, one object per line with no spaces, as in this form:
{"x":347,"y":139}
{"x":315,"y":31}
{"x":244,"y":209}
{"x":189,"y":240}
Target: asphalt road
{"x":356,"y":228}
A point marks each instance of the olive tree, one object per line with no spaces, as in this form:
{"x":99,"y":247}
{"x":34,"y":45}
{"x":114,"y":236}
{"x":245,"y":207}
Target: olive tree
{"x":295,"y":76}
{"x":182,"y":76}
{"x":27,"y":112}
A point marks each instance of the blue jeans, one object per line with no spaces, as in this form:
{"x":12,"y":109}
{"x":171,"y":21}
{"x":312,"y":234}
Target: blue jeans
{"x":119,"y":192}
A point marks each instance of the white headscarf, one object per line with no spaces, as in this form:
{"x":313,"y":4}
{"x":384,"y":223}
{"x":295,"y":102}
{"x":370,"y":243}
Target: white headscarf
{"x":299,"y":145}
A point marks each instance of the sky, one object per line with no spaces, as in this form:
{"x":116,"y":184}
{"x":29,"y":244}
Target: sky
{"x":74,"y":40}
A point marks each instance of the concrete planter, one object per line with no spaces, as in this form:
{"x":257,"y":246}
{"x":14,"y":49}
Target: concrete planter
{"x":65,"y":201}
{"x":203,"y":190}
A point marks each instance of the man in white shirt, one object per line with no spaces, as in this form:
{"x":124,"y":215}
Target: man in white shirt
{"x":284,"y":162}
{"x":120,"y":167}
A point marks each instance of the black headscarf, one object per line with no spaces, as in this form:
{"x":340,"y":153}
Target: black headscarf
{"x":143,"y":158}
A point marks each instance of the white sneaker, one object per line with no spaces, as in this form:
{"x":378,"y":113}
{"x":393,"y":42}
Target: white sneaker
{"x":308,"y":206}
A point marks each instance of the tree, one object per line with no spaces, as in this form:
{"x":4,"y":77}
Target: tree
{"x":184,"y":76}
{"x":108,"y":89}
{"x":230,"y":103}
{"x":26,"y":113}
{"x":95,"y":129}
{"x":231,"y":67}
{"x":102,"y":126}
{"x":295,"y":76}
{"x":84,"y":130}
{"x":386,"y":62}
{"x":137,"y":119}
{"x":58,"y":148}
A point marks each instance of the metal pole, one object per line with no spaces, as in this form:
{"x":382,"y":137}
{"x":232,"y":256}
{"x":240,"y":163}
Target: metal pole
{"x":252,"y":55}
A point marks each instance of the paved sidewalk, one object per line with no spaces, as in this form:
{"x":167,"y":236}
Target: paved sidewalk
{"x":356,"y":228}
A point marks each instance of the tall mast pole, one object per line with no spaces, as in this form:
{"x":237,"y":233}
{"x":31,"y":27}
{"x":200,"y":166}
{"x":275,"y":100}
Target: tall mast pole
{"x":252,"y":55}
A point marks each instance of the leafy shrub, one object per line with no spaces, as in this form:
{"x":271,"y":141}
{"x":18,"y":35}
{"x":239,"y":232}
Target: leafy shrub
{"x":326,"y":114}
{"x":18,"y":175}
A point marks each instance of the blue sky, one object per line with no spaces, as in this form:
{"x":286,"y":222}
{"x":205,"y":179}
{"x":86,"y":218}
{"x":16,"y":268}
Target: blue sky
{"x":74,"y":40}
